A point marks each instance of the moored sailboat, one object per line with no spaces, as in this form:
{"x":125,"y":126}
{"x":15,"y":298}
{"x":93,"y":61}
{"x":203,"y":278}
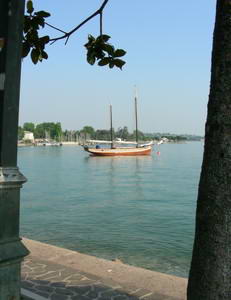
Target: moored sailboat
{"x":138,"y":149}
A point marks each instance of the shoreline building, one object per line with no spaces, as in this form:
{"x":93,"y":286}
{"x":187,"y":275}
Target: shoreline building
{"x":28,"y":136}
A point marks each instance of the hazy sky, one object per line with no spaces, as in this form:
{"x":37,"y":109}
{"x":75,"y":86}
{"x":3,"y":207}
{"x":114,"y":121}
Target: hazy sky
{"x":168,"y":46}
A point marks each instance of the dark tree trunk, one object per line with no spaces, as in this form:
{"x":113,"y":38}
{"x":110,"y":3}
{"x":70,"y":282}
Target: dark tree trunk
{"x":210,"y":274}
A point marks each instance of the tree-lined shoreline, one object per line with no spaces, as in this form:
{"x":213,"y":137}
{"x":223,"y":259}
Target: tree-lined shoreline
{"x":55,"y":132}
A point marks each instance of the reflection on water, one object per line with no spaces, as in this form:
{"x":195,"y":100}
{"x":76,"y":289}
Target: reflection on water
{"x":140,"y":209}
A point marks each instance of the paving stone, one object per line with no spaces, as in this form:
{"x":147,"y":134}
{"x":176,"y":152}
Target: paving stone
{"x":67,"y":275}
{"x":92,"y":295}
{"x":43,"y":288}
{"x":128,"y":289}
{"x":141,"y":293}
{"x":58,"y":297}
{"x":132,"y":297}
{"x":75,"y":289}
{"x":77,"y":283}
{"x":38,"y":272}
{"x":35,"y":265}
{"x":58,"y":284}
{"x":82,"y":290}
{"x":43,"y":294}
{"x":46,"y":273}
{"x":120,"y":297}
{"x":90,"y":276}
{"x":27,"y":284}
{"x":63,"y":291}
{"x":110,"y":283}
{"x":55,"y":267}
{"x":85,"y":282}
{"x":30,"y":289}
{"x":42,"y":282}
{"x":50,"y":277}
{"x":101,"y":287}
{"x":71,"y":276}
{"x":109,"y":293}
{"x":79,"y":297}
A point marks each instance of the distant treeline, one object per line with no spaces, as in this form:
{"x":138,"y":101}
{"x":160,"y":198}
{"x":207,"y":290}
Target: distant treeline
{"x":41,"y":131}
{"x":54,"y":131}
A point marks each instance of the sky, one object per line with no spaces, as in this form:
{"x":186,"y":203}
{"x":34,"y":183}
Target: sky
{"x":168,"y":59}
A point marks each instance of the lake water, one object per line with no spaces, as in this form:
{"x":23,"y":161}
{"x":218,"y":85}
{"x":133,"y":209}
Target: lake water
{"x":138,"y":209}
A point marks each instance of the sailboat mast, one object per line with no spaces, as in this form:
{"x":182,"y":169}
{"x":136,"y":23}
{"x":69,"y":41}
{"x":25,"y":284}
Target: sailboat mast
{"x":136,"y":121}
{"x":111,"y":126}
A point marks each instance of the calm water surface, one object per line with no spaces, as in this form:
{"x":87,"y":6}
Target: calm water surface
{"x":138,"y":209}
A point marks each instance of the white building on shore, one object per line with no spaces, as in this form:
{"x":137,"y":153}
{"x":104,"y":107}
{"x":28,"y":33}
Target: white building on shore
{"x":28,"y":136}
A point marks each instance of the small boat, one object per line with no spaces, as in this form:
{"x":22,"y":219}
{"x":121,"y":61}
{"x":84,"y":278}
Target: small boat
{"x":48,"y":143}
{"x":144,"y":149}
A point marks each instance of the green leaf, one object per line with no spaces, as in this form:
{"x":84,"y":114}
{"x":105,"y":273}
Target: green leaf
{"x":44,"y":55}
{"x":27,"y":24}
{"x":119,"y":63}
{"x":32,"y":37}
{"x":91,"y":59}
{"x":40,"y":21}
{"x":29,"y":6}
{"x":91,"y":38}
{"x":25,"y":49}
{"x":87,"y":45}
{"x":36,"y":21}
{"x":90,"y":43}
{"x":108,"y":48}
{"x":99,"y":54}
{"x":111,"y":64}
{"x":104,"y":61}
{"x":119,"y":53}
{"x":103,"y":37}
{"x":42,"y":14}
{"x":35,"y":55}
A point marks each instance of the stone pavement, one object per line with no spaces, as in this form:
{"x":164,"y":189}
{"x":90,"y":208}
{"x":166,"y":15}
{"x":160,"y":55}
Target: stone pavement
{"x":60,"y":274}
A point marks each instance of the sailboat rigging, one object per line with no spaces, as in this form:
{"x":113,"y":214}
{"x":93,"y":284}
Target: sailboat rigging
{"x":111,"y":129}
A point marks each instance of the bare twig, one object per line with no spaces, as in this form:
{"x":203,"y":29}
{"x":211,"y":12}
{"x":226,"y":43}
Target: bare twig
{"x":55,"y":28}
{"x":68,"y":34}
{"x":67,"y":40}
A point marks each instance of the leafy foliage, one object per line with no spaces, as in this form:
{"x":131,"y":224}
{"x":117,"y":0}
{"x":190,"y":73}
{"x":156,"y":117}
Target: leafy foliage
{"x":98,"y":49}
{"x":53,"y":130}
{"x":88,"y":130}
{"x":29,"y":126}
{"x":32,"y":43}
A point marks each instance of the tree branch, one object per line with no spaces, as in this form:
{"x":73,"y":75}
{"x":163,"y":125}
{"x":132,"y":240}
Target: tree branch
{"x":55,"y":28}
{"x":68,"y":34}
